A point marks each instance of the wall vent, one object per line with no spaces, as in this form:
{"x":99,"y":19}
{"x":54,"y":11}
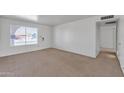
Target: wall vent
{"x":107,"y":17}
{"x":112,"y":22}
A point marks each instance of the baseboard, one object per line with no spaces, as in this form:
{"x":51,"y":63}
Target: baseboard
{"x":75,"y":52}
{"x":122,"y":68}
{"x":21,"y":52}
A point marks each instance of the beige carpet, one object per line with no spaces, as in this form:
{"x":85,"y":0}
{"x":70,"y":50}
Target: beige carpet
{"x":53,"y":62}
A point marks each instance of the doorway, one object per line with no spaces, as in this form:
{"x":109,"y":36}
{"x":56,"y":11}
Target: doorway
{"x":106,"y":36}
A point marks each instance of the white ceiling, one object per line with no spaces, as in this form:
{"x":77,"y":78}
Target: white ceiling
{"x":51,"y":20}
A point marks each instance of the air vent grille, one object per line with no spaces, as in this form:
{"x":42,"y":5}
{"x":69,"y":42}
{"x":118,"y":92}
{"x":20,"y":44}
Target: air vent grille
{"x":112,"y":22}
{"x":107,"y":17}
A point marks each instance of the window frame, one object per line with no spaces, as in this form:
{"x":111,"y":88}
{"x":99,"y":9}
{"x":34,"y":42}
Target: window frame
{"x":10,"y":33}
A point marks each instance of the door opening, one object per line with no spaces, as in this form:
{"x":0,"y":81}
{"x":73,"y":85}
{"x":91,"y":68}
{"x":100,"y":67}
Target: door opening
{"x":106,"y":36}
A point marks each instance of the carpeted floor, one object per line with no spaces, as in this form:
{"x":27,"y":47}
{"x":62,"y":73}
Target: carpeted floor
{"x":53,"y":62}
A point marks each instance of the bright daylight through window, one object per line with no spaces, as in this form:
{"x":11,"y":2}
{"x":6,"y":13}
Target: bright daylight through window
{"x":21,"y":35}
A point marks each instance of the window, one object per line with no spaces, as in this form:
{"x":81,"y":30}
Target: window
{"x":31,"y":35}
{"x":21,"y":35}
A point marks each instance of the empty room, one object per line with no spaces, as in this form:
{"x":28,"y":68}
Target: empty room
{"x":61,"y":46}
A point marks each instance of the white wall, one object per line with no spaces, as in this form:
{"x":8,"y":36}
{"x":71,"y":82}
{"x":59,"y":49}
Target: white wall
{"x":121,"y":40}
{"x":97,"y":38}
{"x":78,"y":37}
{"x":6,"y":49}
